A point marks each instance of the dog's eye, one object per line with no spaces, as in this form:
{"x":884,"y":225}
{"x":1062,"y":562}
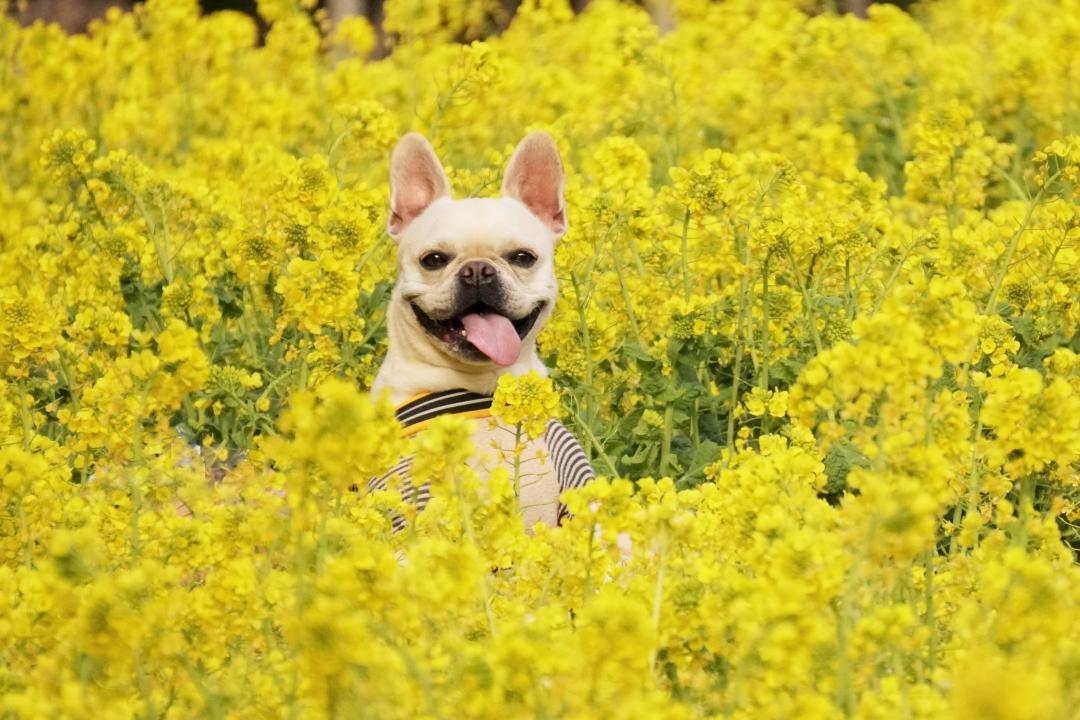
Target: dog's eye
{"x":434,"y":260}
{"x":521,"y":258}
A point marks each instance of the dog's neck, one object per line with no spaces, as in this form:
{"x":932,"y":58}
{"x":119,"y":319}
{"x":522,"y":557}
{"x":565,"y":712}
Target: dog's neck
{"x":410,"y":369}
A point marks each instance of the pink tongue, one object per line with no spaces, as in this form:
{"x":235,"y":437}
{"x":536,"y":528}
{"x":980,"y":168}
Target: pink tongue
{"x":494,"y":336}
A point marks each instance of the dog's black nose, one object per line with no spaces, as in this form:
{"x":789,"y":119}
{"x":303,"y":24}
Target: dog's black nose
{"x":476,"y":272}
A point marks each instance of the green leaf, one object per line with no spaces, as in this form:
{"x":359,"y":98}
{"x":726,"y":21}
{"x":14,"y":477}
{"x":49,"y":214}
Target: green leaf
{"x":706,"y":454}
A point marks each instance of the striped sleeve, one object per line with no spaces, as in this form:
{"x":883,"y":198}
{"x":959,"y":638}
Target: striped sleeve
{"x":572,"y":466}
{"x":418,"y":496}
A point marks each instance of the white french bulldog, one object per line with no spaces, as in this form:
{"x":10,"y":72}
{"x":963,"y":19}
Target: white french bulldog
{"x":476,"y":282}
{"x":476,"y":278}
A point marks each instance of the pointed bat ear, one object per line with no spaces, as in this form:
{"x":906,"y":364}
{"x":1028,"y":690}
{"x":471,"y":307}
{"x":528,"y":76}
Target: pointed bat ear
{"x":417,"y":179}
{"x":534,"y":176}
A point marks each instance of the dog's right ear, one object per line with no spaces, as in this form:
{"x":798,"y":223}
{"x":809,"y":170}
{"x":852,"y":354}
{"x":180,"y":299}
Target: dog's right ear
{"x":417,"y":179}
{"x":534,"y":176}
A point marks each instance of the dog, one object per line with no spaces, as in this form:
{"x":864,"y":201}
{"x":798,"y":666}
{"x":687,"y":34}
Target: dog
{"x":476,"y":283}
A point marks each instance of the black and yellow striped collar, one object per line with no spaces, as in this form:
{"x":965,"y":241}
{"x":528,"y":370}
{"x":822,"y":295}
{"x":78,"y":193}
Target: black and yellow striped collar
{"x":414,"y":413}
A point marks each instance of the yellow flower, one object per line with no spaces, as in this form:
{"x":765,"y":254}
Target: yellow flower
{"x":526,"y":400}
{"x":816,"y":314}
{"x":28,"y":330}
{"x":318,"y":293}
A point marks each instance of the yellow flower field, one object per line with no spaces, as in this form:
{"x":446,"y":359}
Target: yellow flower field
{"x":818,"y":330}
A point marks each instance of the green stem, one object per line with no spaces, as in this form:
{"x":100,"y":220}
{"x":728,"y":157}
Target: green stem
{"x":687,"y":285}
{"x":517,"y":462}
{"x":892,"y":276}
{"x":65,"y":372}
{"x":695,"y":423}
{"x":658,"y":597}
{"x":167,"y":254}
{"x":808,"y":306}
{"x":24,"y":414}
{"x":28,"y":536}
{"x":665,"y":449}
{"x":971,"y":501}
{"x":849,"y":298}
{"x":442,"y":104}
{"x":763,"y":380}
{"x":735,"y":374}
{"x":1014,"y":242}
{"x":133,"y":482}
{"x":163,"y":252}
{"x":302,"y":373}
{"x":744,"y":326}
{"x":1021,"y":194}
{"x":580,"y":424}
{"x":627,"y":300}
{"x":636,"y":255}
{"x":251,"y":320}
{"x":94,"y":204}
{"x":931,"y":621}
{"x":334,"y":145}
{"x":1027,"y":496}
{"x":586,"y":588}
{"x":586,"y":341}
{"x":414,"y":668}
{"x":845,"y":693}
{"x":485,"y":581}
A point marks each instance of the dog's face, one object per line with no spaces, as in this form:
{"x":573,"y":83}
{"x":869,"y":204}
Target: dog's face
{"x":478,"y":277}
{"x":475,"y":276}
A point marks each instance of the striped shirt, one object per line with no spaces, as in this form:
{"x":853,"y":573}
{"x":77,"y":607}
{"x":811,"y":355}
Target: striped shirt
{"x":548,"y":466}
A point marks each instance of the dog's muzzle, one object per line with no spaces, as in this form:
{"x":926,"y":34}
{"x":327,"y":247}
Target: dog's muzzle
{"x":480,"y":332}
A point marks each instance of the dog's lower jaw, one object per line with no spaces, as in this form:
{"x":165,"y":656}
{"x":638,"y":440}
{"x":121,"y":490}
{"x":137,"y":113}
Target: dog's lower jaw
{"x":414,"y":365}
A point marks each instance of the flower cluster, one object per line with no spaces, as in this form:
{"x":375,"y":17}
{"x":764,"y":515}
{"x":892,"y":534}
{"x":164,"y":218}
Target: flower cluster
{"x":528,"y":401}
{"x":817,"y":330}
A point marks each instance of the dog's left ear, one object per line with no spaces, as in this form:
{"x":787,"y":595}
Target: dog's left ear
{"x":534,"y":176}
{"x":417,"y":179}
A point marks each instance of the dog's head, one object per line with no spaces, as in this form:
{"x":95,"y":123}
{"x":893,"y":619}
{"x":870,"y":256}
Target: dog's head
{"x":475,"y":276}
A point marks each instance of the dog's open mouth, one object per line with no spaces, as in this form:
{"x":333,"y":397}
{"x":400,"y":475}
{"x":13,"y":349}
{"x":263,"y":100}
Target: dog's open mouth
{"x":481,"y":332}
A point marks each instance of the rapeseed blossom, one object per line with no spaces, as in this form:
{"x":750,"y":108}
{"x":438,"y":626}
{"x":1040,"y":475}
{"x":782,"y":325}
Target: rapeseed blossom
{"x":528,"y":401}
{"x":817,"y":329}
